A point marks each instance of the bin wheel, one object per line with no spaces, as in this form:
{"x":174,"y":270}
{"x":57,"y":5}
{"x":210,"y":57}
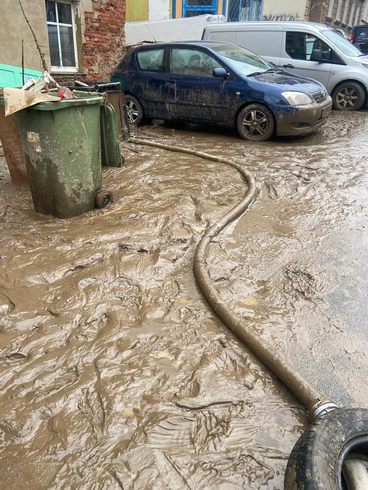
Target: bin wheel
{"x":317,"y":460}
{"x":103,"y":199}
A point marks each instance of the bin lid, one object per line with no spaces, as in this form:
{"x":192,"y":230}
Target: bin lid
{"x":66,"y":103}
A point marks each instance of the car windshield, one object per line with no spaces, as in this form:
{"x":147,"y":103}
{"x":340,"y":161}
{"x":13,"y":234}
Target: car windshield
{"x":343,"y":44}
{"x":241,"y":60}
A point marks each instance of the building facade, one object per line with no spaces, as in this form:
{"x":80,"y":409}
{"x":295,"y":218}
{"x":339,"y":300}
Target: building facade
{"x":78,"y":38}
{"x":343,"y":13}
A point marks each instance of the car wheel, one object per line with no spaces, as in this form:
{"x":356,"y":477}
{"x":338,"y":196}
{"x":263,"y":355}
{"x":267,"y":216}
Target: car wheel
{"x":255,"y":122}
{"x":321,"y":458}
{"x":348,"y":96}
{"x":134,"y":110}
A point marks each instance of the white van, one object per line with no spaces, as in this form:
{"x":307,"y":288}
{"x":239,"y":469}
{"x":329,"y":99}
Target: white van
{"x":308,"y":49}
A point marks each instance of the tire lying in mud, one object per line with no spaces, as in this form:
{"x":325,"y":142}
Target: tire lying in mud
{"x":316,"y":461}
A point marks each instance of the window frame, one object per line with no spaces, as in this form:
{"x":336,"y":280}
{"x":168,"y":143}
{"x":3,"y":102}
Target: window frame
{"x":64,"y":69}
{"x":336,"y":61}
{"x":199,"y":9}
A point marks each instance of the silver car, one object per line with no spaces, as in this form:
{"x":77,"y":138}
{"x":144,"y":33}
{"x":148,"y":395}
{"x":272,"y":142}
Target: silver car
{"x":305,"y":48}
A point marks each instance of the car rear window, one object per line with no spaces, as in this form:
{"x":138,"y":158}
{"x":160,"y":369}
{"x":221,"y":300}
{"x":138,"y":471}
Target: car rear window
{"x":151,"y":60}
{"x":361,"y":33}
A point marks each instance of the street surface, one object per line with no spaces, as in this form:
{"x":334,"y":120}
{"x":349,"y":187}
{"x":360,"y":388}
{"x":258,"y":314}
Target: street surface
{"x":115,"y":374}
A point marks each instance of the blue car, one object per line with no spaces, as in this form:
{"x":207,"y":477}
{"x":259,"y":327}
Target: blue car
{"x":210,"y":82}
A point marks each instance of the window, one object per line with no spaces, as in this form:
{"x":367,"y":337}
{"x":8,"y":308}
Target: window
{"x":192,"y":8}
{"x":151,"y":60}
{"x":300,"y":46}
{"x":192,"y":62}
{"x":60,"y":27}
{"x":244,"y":10}
{"x":243,"y":61}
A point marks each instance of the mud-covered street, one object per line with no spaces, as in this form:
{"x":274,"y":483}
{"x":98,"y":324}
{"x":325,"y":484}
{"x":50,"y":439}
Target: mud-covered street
{"x":114,"y":372}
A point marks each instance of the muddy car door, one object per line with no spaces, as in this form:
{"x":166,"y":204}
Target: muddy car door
{"x":150,"y":81}
{"x":194,"y":92}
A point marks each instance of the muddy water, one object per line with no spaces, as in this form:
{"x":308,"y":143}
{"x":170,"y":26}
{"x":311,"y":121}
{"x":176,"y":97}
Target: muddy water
{"x":113,"y":371}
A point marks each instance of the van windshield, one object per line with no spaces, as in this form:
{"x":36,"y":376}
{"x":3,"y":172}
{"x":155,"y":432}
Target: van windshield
{"x":344,"y":46}
{"x":241,"y":60}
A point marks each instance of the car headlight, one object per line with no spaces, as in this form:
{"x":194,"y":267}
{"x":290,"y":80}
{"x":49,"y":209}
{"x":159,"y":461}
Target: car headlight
{"x":297,"y":98}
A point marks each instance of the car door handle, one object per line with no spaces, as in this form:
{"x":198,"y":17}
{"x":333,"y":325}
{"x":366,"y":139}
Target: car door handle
{"x":288,"y":66}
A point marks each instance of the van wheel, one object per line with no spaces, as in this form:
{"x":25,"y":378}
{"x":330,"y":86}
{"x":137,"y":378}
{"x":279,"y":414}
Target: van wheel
{"x":348,"y":96}
{"x":255,"y":122}
{"x":134,"y":110}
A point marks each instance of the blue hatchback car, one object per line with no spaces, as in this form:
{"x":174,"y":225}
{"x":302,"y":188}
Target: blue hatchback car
{"x":210,"y":82}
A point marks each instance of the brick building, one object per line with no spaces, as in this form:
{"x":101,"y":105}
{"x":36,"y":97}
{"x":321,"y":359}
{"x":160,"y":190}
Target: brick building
{"x":78,"y":38}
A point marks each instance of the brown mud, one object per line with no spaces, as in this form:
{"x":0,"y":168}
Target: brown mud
{"x":114,"y":373}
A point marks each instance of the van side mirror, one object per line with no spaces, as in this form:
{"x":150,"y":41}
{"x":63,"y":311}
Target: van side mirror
{"x":220,"y":73}
{"x":317,"y":55}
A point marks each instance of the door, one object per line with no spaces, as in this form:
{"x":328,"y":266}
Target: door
{"x":299,"y":50}
{"x":194,"y":94}
{"x":150,"y":82}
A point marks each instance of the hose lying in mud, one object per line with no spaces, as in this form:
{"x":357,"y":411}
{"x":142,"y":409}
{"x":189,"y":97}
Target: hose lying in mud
{"x":317,"y":459}
{"x":308,"y":396}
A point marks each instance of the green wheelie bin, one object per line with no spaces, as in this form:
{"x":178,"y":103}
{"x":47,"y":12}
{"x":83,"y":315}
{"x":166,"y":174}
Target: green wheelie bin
{"x":61,"y":142}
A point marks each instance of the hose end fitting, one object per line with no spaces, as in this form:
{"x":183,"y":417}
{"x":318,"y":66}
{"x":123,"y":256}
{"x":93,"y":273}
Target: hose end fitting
{"x":321,"y":408}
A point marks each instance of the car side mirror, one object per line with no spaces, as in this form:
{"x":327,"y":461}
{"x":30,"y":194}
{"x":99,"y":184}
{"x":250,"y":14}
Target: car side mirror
{"x":220,"y":73}
{"x":317,"y":55}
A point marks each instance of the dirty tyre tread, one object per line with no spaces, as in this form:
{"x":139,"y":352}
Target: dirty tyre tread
{"x":316,"y":459}
{"x":362,"y":95}
{"x":130,"y":99}
{"x":270,"y":126}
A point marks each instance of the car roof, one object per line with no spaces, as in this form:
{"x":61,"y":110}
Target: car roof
{"x":200,"y":44}
{"x":267,"y":25}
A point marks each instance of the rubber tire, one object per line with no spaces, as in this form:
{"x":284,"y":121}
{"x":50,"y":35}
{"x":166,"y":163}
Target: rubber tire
{"x":316,"y":460}
{"x":361,"y":96}
{"x":271,"y":122}
{"x":130,"y":99}
{"x":103,"y":199}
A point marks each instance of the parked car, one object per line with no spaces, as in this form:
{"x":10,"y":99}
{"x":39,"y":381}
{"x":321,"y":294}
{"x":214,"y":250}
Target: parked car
{"x":359,"y":37}
{"x":304,"y":48}
{"x":213,"y":82}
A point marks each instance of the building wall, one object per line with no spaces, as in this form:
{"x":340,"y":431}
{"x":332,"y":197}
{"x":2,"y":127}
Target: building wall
{"x":103,"y":38}
{"x":100,"y":35}
{"x":14,"y":28}
{"x":339,"y":13}
{"x":159,"y":10}
{"x":137,"y":10}
{"x":285,"y":10}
